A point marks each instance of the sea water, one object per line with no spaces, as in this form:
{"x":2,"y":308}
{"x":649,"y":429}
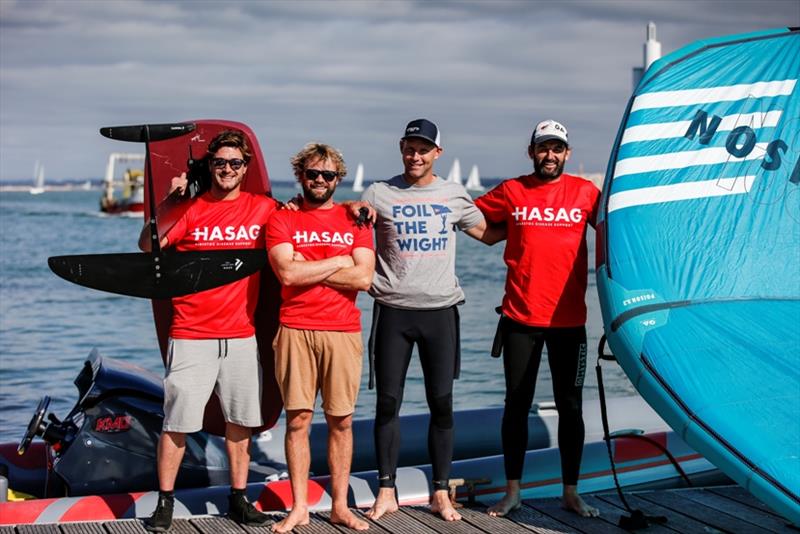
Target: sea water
{"x":48,"y":326}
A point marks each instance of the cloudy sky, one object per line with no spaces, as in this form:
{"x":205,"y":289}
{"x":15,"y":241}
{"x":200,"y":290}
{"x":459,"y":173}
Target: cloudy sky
{"x":349,"y":73}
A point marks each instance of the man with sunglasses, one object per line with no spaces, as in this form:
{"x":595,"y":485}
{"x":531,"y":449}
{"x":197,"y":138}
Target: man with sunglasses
{"x":546,"y":214}
{"x":323,"y":258}
{"x":416,"y":295}
{"x":212,"y":345}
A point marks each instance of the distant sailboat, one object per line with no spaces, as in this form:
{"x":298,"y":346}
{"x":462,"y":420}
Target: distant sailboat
{"x":123,"y":196}
{"x":455,"y":172}
{"x":38,"y":179}
{"x":358,"y":183}
{"x":474,"y":180}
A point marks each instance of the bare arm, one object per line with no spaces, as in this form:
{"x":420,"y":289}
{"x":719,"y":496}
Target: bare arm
{"x":487,"y":232}
{"x":298,"y":272}
{"x":359,"y":276}
{"x":353,"y":208}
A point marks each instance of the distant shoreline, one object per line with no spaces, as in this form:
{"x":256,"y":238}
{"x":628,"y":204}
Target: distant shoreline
{"x":19,"y":187}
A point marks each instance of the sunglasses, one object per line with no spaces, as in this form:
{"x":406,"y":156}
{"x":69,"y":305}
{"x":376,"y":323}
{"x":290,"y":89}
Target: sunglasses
{"x":328,"y":176}
{"x":235,"y":164}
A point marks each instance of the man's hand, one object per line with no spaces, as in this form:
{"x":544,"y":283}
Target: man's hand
{"x":354,"y":208}
{"x":293,"y":204}
{"x":179,"y":184}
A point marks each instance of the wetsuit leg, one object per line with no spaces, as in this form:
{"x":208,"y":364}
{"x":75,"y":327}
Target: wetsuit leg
{"x":393,"y":344}
{"x":566,"y":353}
{"x":438,"y":352}
{"x":522,"y":353}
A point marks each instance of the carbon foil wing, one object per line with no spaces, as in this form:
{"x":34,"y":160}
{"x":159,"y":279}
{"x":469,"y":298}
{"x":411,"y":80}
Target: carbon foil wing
{"x":150,"y":276}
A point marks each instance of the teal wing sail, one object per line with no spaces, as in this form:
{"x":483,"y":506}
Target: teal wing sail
{"x":699,"y":254}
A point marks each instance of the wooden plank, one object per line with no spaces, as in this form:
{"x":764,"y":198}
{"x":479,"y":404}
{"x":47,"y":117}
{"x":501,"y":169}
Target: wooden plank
{"x":739,"y":494}
{"x":402,"y":522}
{"x":612,"y":514}
{"x":708,"y":510}
{"x":274,"y":517}
{"x":373,"y":526}
{"x":734,"y":508}
{"x":38,"y":529}
{"x":674,"y":501}
{"x":181,"y":526}
{"x":531,"y":518}
{"x":521,"y":521}
{"x":130,"y":526}
{"x":316,"y":525}
{"x":435,"y":523}
{"x":676,"y":521}
{"x":594,"y":525}
{"x":613,"y":510}
{"x":321,"y":525}
{"x":535,"y":521}
{"x":215,"y":525}
{"x":83,"y":528}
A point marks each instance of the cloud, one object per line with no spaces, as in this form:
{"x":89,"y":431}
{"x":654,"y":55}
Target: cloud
{"x":350,"y":73}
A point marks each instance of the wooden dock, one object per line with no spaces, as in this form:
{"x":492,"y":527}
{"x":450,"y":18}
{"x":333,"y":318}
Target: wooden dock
{"x":728,"y":509}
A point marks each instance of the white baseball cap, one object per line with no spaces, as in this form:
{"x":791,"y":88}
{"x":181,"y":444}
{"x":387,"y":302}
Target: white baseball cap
{"x":547,"y":130}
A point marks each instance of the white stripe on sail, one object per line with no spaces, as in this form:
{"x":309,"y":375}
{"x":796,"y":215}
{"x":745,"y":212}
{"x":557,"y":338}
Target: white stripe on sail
{"x":685,"y":191}
{"x":679,"y":160}
{"x":725,"y":93}
{"x":669,"y":130}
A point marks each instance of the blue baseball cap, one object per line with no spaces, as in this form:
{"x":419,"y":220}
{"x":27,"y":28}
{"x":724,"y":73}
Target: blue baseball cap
{"x":424,"y":129}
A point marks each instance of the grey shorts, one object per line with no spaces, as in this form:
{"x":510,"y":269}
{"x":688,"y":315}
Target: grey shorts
{"x":198,"y":367}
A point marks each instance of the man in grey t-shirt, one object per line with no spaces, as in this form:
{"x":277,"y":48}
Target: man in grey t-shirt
{"x":416,"y":292}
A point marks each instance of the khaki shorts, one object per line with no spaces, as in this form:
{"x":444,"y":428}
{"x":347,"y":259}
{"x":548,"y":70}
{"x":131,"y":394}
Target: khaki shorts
{"x":307,"y":361}
{"x":198,"y":367}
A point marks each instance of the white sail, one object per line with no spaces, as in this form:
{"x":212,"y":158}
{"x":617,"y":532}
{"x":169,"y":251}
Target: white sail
{"x":38,"y":179}
{"x":455,"y":172}
{"x":358,"y":183}
{"x":474,"y":180}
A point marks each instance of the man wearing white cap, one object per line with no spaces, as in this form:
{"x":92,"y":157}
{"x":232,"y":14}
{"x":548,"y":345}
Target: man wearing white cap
{"x":545,"y":214}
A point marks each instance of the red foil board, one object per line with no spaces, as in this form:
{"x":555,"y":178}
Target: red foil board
{"x":169,"y":158}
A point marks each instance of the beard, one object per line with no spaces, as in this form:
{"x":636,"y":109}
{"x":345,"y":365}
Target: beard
{"x":314,"y":197}
{"x":547,"y":175}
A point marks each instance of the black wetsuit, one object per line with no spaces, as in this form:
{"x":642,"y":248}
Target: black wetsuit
{"x":436,"y":335}
{"x":522,"y":353}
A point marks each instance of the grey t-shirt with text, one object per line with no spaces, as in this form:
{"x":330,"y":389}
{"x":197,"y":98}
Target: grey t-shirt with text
{"x":416,"y":241}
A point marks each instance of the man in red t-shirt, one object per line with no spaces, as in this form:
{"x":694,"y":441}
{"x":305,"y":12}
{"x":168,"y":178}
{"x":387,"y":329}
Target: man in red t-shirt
{"x":545,"y":214}
{"x":212,"y":345}
{"x":323,"y":259}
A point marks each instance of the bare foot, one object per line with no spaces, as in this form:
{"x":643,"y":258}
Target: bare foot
{"x":574,"y":502}
{"x":504,"y":506}
{"x":385,"y":503}
{"x":297,"y":517}
{"x":440,"y":504}
{"x":349,"y":519}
